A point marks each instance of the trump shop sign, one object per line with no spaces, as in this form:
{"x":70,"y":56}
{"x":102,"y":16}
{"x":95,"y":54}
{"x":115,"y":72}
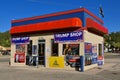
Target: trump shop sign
{"x":68,"y":37}
{"x":20,"y":40}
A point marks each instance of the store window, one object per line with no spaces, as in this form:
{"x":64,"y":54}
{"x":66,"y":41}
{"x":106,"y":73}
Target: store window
{"x":54,"y":48}
{"x":20,"y":53}
{"x":100,"y":50}
{"x":29,"y":48}
{"x":88,"y":53}
{"x":70,"y":49}
{"x":71,"y":52}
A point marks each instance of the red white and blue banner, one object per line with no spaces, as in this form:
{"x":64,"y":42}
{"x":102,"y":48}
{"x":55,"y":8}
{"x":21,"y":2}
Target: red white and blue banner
{"x":68,"y":37}
{"x":100,"y":60}
{"x":94,"y":53}
{"x":88,"y":48}
{"x":20,"y":40}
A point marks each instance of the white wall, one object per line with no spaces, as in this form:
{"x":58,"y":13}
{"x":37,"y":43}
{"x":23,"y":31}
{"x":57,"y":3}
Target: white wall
{"x":94,"y":39}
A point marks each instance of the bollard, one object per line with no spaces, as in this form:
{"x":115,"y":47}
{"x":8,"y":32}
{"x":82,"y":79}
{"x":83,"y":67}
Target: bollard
{"x":82,"y":63}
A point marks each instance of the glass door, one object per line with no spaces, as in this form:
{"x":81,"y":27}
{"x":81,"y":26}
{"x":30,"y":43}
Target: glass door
{"x":41,"y":52}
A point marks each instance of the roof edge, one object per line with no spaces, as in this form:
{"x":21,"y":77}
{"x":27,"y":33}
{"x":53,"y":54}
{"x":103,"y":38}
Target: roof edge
{"x":59,"y":13}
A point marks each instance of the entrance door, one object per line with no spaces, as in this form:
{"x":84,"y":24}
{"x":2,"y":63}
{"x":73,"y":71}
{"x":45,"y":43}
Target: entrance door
{"x":41,"y":52}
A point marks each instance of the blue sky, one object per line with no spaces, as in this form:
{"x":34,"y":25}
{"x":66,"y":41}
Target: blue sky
{"x":17,"y":9}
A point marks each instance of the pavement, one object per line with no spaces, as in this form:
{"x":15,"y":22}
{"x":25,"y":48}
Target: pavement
{"x":109,"y":71}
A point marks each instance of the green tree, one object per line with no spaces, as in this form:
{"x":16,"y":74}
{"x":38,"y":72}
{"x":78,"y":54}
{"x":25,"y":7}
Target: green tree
{"x":5,"y":39}
{"x":112,"y":41}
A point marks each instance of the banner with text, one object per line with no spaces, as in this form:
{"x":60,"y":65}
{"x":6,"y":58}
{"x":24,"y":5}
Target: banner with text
{"x":88,"y":48}
{"x":20,"y":40}
{"x":69,"y":37}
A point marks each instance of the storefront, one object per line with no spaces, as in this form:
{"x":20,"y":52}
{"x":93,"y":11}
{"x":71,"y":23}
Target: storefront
{"x":58,"y":40}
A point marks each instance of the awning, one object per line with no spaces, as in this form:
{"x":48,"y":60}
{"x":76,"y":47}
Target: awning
{"x":46,"y":26}
{"x":96,"y":27}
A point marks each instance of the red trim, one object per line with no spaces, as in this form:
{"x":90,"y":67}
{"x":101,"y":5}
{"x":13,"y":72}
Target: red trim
{"x":91,"y":24}
{"x":44,"y":26}
{"x":91,"y":14}
{"x":60,"y":13}
{"x":74,"y":60}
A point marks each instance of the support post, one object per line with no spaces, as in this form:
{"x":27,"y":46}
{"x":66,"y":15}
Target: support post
{"x":82,"y":63}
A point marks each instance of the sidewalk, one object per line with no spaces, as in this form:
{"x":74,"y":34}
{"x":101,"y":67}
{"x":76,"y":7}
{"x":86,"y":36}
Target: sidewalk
{"x":110,"y":65}
{"x":4,"y":56}
{"x":98,"y":69}
{"x":111,"y":54}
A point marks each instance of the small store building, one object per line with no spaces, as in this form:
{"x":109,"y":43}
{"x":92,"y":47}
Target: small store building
{"x":58,"y":40}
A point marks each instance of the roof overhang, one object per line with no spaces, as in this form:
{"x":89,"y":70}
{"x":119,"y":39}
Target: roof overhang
{"x":59,"y":14}
{"x":95,"y":27}
{"x":46,"y":26}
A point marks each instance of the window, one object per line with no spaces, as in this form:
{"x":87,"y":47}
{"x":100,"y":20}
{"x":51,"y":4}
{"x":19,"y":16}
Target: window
{"x":20,"y":48}
{"x":54,"y":48}
{"x":88,"y":53}
{"x":20,"y":53}
{"x":100,"y":50}
{"x":71,"y":49}
{"x":29,"y":48}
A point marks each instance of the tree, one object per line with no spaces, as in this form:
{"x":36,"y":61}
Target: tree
{"x":112,"y":41}
{"x":5,"y":39}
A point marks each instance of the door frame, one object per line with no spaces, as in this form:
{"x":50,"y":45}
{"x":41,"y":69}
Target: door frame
{"x":41,"y":41}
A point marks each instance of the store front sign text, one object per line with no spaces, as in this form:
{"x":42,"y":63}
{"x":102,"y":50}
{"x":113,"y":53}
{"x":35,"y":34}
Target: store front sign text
{"x":20,"y":40}
{"x":68,"y":37}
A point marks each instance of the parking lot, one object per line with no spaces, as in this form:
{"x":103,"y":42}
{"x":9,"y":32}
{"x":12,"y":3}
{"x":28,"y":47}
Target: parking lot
{"x":109,"y":71}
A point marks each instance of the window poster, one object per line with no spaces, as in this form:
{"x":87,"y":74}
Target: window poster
{"x":72,"y":49}
{"x":20,"y":53}
{"x":94,"y":53}
{"x":88,"y":53}
{"x":94,"y":48}
{"x":34,"y":49}
{"x":88,"y":48}
{"x":71,"y":52}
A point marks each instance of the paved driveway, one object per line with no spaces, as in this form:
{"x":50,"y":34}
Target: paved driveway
{"x":109,"y":71}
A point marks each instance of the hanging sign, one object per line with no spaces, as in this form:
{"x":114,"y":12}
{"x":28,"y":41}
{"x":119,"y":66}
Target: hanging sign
{"x":69,"y":37}
{"x":20,"y":40}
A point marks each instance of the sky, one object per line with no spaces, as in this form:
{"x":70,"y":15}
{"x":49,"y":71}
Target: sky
{"x":18,"y":9}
